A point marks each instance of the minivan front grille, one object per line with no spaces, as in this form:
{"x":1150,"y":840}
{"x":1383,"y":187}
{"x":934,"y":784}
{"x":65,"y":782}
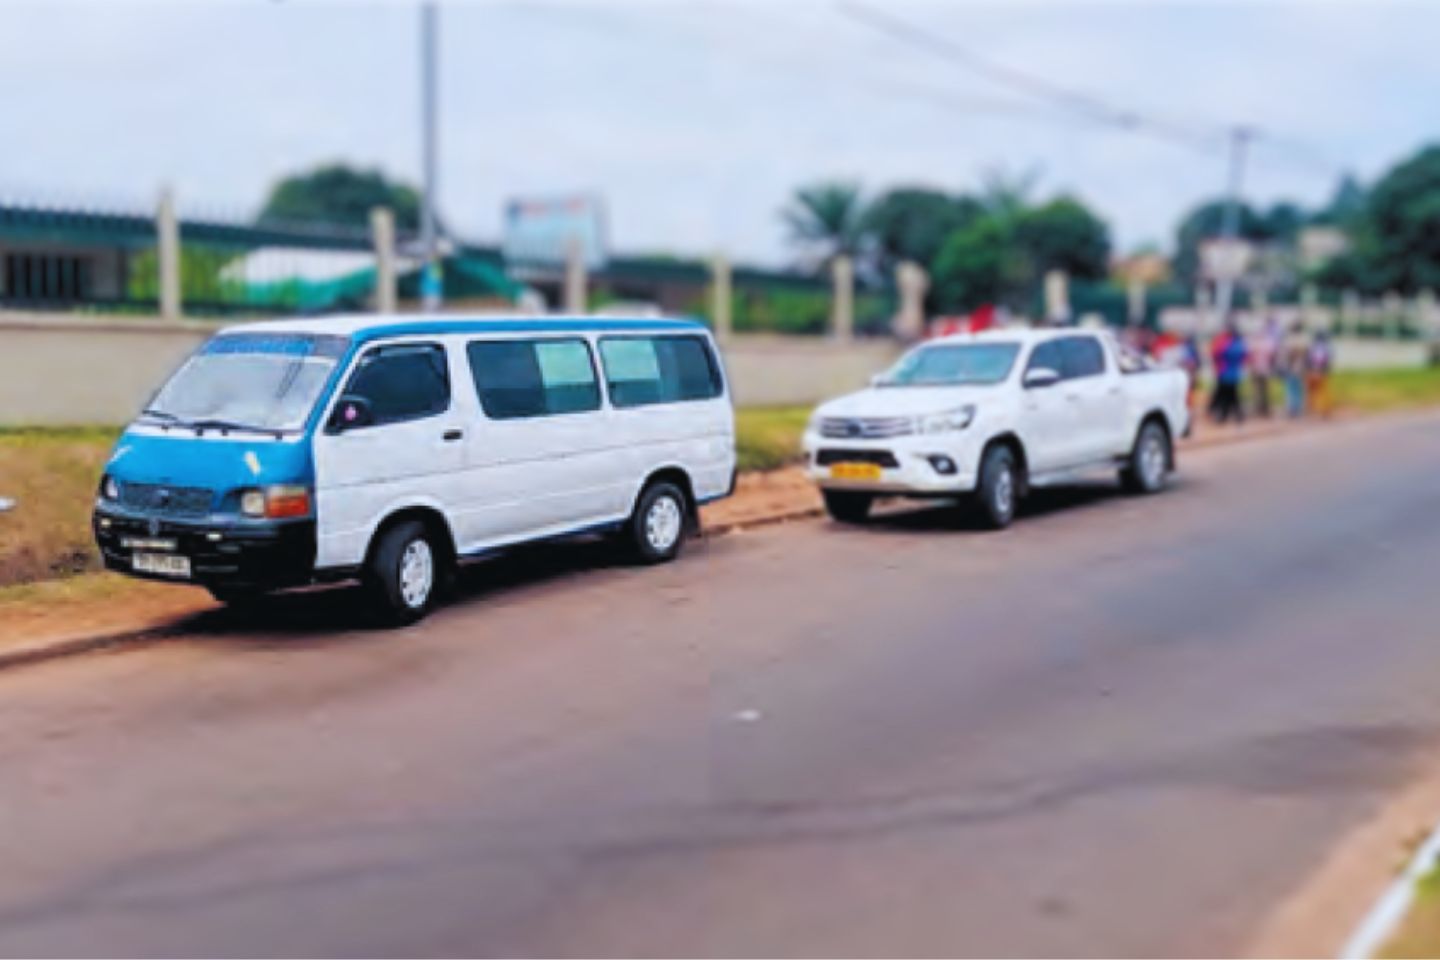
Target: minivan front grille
{"x":166,"y":500}
{"x":825,"y":456}
{"x":866,"y":428}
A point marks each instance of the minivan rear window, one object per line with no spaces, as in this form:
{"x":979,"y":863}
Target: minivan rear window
{"x":648,"y":370}
{"x":533,"y":378}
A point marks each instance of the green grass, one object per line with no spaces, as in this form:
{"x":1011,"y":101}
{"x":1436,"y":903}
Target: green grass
{"x":1373,"y":391}
{"x":51,"y":474}
{"x":1419,"y":934}
{"x":769,"y":437}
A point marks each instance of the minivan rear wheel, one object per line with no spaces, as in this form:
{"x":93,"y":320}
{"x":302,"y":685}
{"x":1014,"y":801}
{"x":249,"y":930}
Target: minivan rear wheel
{"x":659,"y":524}
{"x":404,"y":573}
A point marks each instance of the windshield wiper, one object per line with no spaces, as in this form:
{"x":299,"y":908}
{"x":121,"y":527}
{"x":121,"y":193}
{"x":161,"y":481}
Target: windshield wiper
{"x":225,"y":426}
{"x":164,"y":415}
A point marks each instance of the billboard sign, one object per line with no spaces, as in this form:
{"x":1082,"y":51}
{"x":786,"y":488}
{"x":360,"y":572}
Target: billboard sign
{"x":539,"y":230}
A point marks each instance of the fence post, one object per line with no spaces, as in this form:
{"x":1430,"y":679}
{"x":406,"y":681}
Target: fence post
{"x":1135,"y":301}
{"x":1350,"y":311}
{"x":382,"y":233}
{"x":574,"y":277}
{"x":720,"y":294}
{"x":911,"y":281}
{"x":842,"y":304}
{"x":1057,"y":297}
{"x":167,"y":249}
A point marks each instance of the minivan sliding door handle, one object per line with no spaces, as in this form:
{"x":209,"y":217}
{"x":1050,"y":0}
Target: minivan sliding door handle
{"x":452,"y":435}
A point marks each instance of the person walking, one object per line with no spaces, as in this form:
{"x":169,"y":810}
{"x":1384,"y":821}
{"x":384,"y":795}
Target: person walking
{"x":1317,"y":374}
{"x":1293,"y":364}
{"x":1228,"y":354}
{"x":1263,"y":353}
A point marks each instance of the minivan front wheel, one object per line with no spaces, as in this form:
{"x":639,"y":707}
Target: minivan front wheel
{"x":404,"y":572}
{"x":658,"y":526}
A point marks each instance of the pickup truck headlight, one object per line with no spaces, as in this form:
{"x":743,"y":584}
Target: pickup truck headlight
{"x":949,"y":421}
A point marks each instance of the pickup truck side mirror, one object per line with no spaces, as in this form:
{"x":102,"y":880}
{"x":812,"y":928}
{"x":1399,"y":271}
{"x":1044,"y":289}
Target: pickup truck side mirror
{"x":1037,"y":377}
{"x":351,"y":412}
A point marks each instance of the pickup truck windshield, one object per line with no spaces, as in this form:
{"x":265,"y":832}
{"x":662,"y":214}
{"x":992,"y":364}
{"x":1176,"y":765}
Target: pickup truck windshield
{"x":952,"y":365}
{"x":249,"y":381}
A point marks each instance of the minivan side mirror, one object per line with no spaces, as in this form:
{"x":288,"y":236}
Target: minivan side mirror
{"x":351,"y":412}
{"x":1037,"y":377}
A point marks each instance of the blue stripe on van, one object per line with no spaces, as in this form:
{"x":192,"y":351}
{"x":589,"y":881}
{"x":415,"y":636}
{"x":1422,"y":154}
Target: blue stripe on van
{"x":548,"y":325}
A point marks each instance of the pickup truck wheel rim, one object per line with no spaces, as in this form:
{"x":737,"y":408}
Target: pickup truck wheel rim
{"x":417,"y":573}
{"x":662,"y":524}
{"x":1004,"y":494}
{"x":1152,"y":459}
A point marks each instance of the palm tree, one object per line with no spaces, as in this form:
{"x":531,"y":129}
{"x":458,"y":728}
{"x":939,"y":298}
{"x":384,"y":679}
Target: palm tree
{"x":827,"y":219}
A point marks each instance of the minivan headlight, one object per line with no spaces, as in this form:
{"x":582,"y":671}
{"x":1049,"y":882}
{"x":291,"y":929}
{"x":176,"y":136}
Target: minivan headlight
{"x":276,"y":502}
{"x":949,"y":421}
{"x":109,"y":487}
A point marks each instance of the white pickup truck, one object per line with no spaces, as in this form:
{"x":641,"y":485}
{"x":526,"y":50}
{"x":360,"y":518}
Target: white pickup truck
{"x":994,"y":414}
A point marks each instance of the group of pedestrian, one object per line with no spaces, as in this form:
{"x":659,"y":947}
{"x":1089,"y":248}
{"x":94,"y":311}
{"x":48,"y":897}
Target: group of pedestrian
{"x":1299,"y":361}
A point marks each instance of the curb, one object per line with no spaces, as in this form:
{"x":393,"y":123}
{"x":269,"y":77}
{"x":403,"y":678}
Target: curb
{"x":155,"y":632}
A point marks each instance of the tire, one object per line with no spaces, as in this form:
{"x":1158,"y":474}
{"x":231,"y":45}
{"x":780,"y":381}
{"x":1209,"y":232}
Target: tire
{"x":847,"y":506}
{"x":998,"y":490}
{"x":657,"y":529}
{"x":404,"y":574}
{"x":1148,"y":467}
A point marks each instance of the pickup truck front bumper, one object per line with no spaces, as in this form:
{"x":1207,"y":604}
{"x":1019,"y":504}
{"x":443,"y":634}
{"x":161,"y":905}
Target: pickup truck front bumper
{"x":926,"y":465}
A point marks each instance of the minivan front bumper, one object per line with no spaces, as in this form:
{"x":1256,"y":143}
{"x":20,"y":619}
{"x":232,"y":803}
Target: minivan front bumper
{"x":222,"y":552}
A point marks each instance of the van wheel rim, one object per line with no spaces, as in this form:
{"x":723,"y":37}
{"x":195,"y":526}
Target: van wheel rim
{"x":662,"y":524}
{"x":1152,"y":460}
{"x":417,"y":573}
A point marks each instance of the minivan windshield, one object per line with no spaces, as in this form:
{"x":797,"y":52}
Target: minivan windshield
{"x":257,"y":381}
{"x":952,"y":365}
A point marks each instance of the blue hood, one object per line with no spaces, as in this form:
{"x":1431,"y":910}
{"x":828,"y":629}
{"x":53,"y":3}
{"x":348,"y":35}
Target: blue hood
{"x":219,"y":463}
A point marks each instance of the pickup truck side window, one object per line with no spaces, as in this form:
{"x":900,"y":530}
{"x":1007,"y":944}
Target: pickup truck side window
{"x":1082,"y":357}
{"x":1047,"y":355}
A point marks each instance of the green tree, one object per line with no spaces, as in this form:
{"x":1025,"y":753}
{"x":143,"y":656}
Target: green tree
{"x":1401,"y":225}
{"x":1064,"y":235}
{"x":340,"y":194}
{"x":912,"y":223}
{"x":826,"y":219}
{"x":979,"y":264}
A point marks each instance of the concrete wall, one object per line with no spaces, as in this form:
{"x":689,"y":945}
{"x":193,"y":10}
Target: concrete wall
{"x":56,"y":370}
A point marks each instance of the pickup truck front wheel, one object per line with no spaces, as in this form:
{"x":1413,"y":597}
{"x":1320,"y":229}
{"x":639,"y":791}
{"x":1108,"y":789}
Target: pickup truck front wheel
{"x":1148,"y":466}
{"x":998,"y":488}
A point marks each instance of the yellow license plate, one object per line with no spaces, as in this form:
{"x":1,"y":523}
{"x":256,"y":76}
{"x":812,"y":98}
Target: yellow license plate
{"x":855,"y":471}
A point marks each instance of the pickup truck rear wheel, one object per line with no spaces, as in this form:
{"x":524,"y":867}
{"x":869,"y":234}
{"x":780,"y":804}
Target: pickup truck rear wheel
{"x":848,"y":506}
{"x":998,"y":488}
{"x":1148,"y":466}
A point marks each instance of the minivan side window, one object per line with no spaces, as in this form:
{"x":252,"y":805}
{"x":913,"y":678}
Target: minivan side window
{"x":402,"y":382}
{"x":533,"y":378}
{"x":1083,"y":357}
{"x":646,"y":370}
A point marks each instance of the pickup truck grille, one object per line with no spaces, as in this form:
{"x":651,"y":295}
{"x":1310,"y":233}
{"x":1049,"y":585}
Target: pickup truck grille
{"x":166,"y":500}
{"x":828,"y":455}
{"x":866,"y":428}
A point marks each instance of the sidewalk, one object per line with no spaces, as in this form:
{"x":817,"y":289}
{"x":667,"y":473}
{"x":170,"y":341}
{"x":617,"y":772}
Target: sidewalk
{"x":98,"y":610}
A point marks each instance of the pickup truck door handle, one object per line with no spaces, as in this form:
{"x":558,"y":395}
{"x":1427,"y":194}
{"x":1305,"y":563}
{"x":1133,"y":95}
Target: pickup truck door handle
{"x":452,"y":435}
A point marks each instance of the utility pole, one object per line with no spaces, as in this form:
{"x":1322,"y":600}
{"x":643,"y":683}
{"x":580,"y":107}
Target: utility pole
{"x":430,"y":282}
{"x":1240,"y":137}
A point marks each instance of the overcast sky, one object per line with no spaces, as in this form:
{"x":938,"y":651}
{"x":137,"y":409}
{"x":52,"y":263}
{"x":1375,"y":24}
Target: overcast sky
{"x":696,"y":120}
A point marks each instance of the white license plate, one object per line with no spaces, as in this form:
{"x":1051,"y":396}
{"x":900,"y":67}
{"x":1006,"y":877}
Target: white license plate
{"x":165,"y":564}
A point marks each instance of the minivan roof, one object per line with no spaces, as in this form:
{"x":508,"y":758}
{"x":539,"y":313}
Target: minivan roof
{"x":366,"y":327}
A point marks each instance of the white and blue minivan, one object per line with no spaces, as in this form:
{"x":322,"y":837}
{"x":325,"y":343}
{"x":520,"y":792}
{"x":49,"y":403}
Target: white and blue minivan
{"x":388,"y":449}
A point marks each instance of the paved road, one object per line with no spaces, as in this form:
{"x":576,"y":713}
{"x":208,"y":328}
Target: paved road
{"x":1126,"y":726}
